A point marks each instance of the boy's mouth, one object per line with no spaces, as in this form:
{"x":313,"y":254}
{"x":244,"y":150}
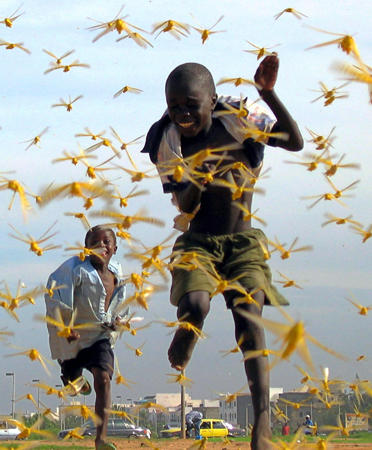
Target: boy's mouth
{"x":186,"y":124}
{"x":101,"y":251}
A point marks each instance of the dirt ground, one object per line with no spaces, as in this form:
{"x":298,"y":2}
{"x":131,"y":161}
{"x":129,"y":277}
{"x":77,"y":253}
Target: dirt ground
{"x":185,"y":444}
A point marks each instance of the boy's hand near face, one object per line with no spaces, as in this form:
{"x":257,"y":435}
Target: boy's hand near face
{"x":267,"y":72}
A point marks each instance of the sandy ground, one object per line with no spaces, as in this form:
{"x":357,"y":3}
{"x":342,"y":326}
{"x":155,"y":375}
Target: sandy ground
{"x":184,"y":444}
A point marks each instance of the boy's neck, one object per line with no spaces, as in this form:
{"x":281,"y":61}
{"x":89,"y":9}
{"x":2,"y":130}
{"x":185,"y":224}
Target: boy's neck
{"x":205,"y":139}
{"x":100,"y":266}
{"x":200,"y":137}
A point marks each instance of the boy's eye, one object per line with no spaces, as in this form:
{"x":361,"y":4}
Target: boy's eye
{"x":187,"y":105}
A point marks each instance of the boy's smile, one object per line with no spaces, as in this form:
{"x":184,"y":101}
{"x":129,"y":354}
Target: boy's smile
{"x":190,"y":107}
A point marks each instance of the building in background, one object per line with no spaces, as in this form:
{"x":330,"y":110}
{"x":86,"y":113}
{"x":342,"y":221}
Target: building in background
{"x":240,"y":410}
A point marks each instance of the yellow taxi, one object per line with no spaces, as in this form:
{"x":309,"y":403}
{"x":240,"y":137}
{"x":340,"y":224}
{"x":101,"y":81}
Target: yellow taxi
{"x":213,"y":428}
{"x":208,"y":428}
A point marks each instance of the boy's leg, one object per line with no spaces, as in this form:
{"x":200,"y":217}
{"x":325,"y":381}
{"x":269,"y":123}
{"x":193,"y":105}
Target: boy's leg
{"x":71,"y":376}
{"x":256,"y":370}
{"x":193,"y":307}
{"x":100,"y":362}
{"x":102,"y":387}
{"x":71,"y":369}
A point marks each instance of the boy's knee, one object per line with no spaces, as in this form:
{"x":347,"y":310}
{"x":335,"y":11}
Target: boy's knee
{"x":248,"y":344}
{"x":101,"y":379}
{"x":194,"y":306}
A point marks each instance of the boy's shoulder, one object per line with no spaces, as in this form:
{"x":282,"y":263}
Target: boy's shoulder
{"x":74,"y":263}
{"x":256,"y":111}
{"x":116,"y":268}
{"x":154,"y":136}
{"x":257,"y":114}
{"x":69,"y":265}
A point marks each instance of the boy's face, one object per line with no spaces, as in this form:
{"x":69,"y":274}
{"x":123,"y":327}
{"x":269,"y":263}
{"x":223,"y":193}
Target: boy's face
{"x":103,"y":242}
{"x":190,"y":107}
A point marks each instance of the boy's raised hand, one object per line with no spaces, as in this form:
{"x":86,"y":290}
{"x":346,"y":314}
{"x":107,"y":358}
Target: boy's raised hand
{"x":267,"y":72}
{"x":74,"y":336}
{"x":116,"y":324}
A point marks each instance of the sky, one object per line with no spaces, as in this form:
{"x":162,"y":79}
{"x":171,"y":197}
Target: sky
{"x":337,"y":268}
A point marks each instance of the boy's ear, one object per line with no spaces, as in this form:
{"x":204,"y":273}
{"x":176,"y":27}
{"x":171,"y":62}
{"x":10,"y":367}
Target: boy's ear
{"x":115,"y":249}
{"x":214,"y":101}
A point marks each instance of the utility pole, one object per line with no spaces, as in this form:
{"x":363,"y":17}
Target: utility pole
{"x":38,"y":393}
{"x":38,"y":399}
{"x":183,"y":431}
{"x":12,"y":374}
{"x":59,"y":386}
{"x":118,"y":405}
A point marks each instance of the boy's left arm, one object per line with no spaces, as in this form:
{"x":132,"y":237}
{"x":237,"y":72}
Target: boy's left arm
{"x":265,"y":77}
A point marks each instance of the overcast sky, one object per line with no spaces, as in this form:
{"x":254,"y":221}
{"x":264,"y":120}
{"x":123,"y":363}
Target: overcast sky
{"x":338,"y":267}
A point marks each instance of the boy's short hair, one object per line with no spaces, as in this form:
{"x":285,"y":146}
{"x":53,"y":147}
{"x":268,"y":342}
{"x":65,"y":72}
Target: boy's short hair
{"x":192,"y":71}
{"x":92,"y":230}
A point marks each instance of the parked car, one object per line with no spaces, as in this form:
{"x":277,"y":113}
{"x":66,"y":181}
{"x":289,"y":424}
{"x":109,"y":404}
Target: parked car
{"x":170,"y":432}
{"x":234,"y":430}
{"x":8,"y":431}
{"x":213,"y":428}
{"x":115,"y":427}
{"x":208,"y":428}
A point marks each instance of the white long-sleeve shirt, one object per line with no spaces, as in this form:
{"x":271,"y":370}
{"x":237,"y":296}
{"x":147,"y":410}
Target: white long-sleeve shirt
{"x":84,"y":293}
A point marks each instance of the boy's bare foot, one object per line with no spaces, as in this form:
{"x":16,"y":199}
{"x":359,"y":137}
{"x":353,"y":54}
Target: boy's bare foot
{"x":261,"y":433}
{"x":102,"y":445}
{"x":181,"y":348}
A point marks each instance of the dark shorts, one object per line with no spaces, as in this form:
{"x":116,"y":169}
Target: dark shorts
{"x":99,"y":355}
{"x":230,"y":256}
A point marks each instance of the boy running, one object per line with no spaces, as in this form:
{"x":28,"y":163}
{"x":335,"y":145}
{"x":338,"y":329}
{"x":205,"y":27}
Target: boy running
{"x":92,"y":290}
{"x":220,"y":238}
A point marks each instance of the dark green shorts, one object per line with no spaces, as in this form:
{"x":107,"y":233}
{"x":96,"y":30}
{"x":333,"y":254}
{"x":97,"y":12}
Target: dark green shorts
{"x":230,"y":256}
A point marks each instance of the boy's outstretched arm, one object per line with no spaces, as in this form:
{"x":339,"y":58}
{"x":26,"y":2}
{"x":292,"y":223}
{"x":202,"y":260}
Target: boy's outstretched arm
{"x":265,"y":77}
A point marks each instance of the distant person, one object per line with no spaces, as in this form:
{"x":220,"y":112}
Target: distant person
{"x":285,"y":429}
{"x":215,"y":197}
{"x":91,"y":291}
{"x":308,"y":424}
{"x":193,"y":421}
